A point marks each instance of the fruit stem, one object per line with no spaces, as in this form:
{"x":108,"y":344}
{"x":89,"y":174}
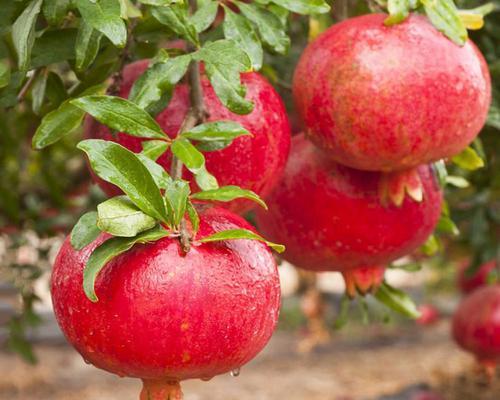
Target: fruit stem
{"x":160,"y":390}
{"x":196,"y":114}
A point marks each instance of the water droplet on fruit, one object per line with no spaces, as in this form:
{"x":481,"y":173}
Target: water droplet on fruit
{"x":235,"y":372}
{"x":206,"y":379}
{"x":86,"y":361}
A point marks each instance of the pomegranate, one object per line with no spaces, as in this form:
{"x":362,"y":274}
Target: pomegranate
{"x":330,"y":217}
{"x":252,"y":162}
{"x":476,"y":325}
{"x":480,"y":278}
{"x":165,"y":316}
{"x":388,"y":98}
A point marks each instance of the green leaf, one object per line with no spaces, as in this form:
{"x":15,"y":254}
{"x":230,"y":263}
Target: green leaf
{"x":194,"y":161}
{"x":431,"y":246}
{"x":55,"y":92}
{"x":457,"y":181}
{"x":110,"y":249}
{"x":85,"y":231}
{"x":397,"y":300}
{"x":398,"y":11}
{"x":121,"y":115}
{"x":444,"y":16}
{"x":54,"y":11}
{"x":119,"y":166}
{"x":23,"y":33}
{"x":8,"y":95}
{"x":87,"y":46}
{"x":305,"y":7}
{"x":153,"y":149}
{"x":4,"y":73}
{"x":204,"y":16}
{"x":224,"y":61}
{"x":269,"y":26}
{"x":440,"y":171}
{"x":219,"y":131}
{"x":38,"y":92}
{"x":61,"y":122}
{"x":159,"y":2}
{"x":176,"y":19}
{"x":118,"y":216}
{"x":446,"y":225}
{"x":494,"y":115}
{"x":233,"y":234}
{"x":176,"y":194}
{"x":158,"y":79}
{"x":238,"y":29}
{"x":53,"y":47}
{"x":105,"y":17}
{"x":129,"y":10}
{"x":160,"y":176}
{"x":468,"y":159}
{"x":229,"y":193}
{"x":408,"y":267}
{"x":343,"y":314}
{"x":188,"y":154}
{"x":193,"y":217}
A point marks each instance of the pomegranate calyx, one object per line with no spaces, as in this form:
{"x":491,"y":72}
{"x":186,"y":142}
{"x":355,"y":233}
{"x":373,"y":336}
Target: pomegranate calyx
{"x":394,"y":186}
{"x":363,"y":280}
{"x":160,"y":390}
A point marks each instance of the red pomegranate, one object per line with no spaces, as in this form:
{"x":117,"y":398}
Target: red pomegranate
{"x":165,"y":316}
{"x":387,"y":98}
{"x":252,"y":162}
{"x":330,"y":217}
{"x":480,"y":278}
{"x":476,"y":325}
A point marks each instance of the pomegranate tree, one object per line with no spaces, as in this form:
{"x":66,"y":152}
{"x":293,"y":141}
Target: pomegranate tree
{"x":476,"y":326}
{"x":331,"y":218}
{"x":165,"y":316}
{"x":387,"y":98}
{"x":253,"y":162}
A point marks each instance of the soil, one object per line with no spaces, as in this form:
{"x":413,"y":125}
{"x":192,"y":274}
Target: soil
{"x":360,"y":363}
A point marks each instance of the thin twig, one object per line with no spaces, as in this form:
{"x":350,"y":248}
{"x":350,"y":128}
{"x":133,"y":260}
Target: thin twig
{"x":27,"y":85}
{"x":117,"y":77}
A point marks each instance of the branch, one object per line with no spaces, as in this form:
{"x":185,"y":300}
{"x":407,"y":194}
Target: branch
{"x":27,"y":85}
{"x":196,"y":114}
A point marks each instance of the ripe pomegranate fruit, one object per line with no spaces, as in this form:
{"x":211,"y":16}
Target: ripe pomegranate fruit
{"x":468,"y":283}
{"x":252,"y":162}
{"x":330,"y":217}
{"x":165,"y":316}
{"x":377,"y":99}
{"x":476,"y":325}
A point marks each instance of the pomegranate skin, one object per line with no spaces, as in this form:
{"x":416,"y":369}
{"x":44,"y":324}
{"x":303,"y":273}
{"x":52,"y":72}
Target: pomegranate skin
{"x":165,"y":316}
{"x":330,"y":216}
{"x":253,"y":162}
{"x":385,"y":98}
{"x":468,"y":284}
{"x":476,"y":324}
